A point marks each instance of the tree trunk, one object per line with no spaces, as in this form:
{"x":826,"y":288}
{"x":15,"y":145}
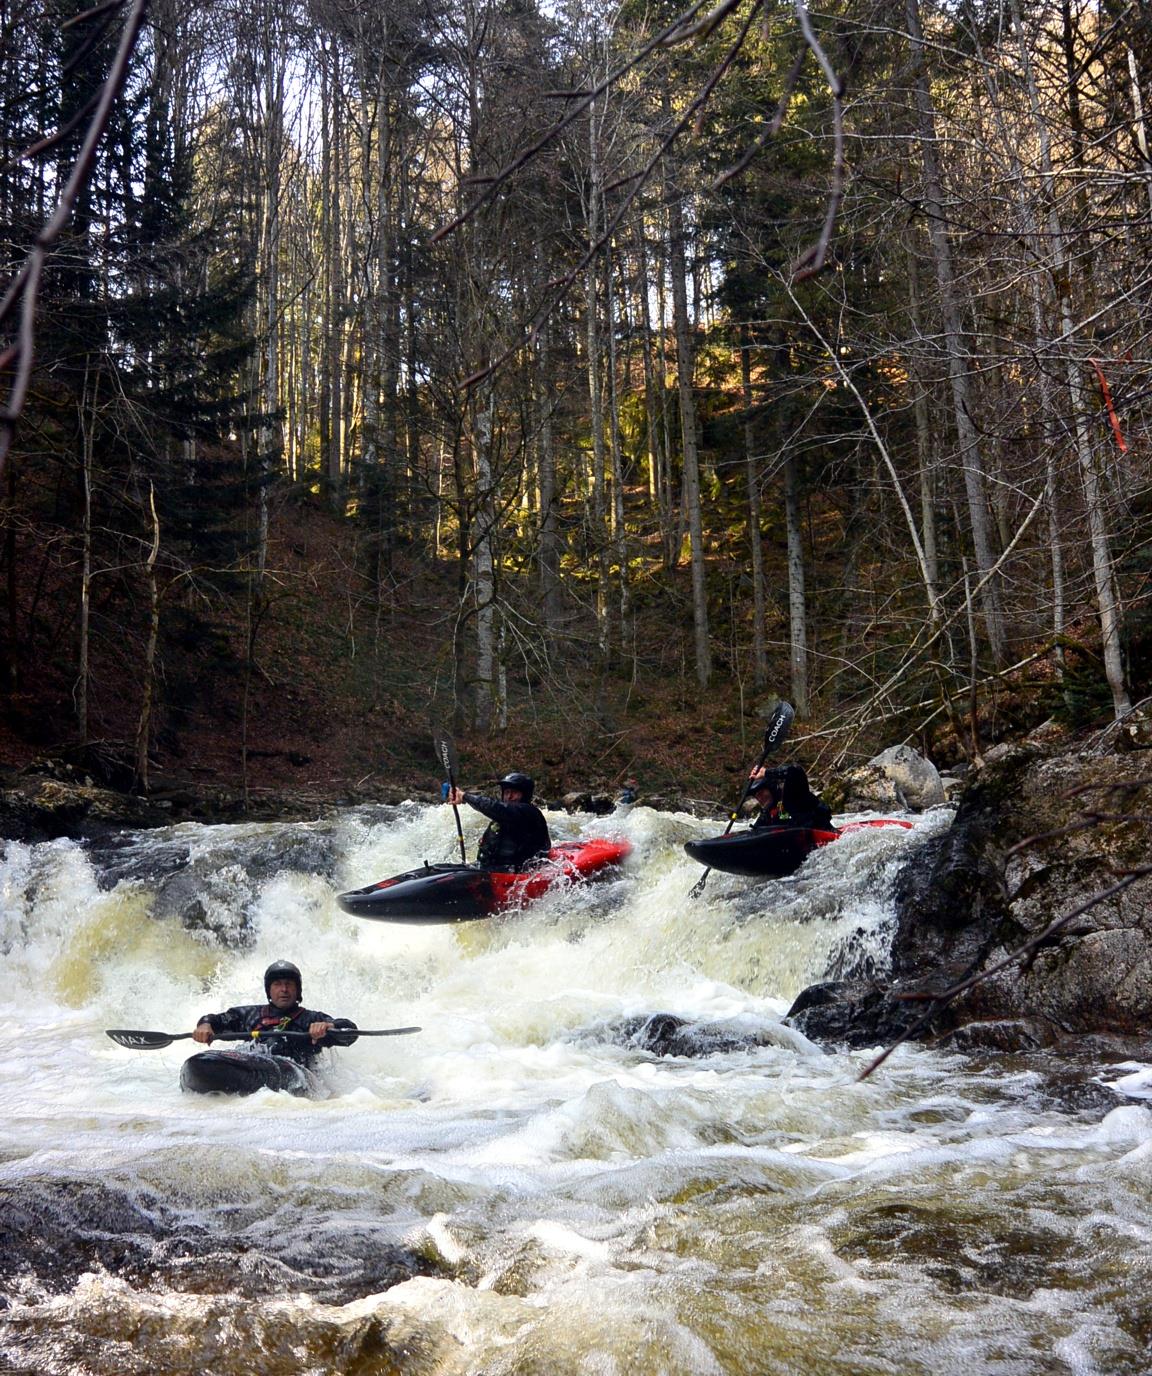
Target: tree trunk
{"x":691,"y":486}
{"x":87,"y":426}
{"x":1107,"y":600}
{"x":144,"y":723}
{"x":598,"y":533}
{"x":971,"y":459}
{"x":485,"y":582}
{"x":797,"y":605}
{"x":546,"y":477}
{"x":619,"y":533}
{"x":927,"y":466}
{"x":759,"y":657}
{"x":596,"y":391}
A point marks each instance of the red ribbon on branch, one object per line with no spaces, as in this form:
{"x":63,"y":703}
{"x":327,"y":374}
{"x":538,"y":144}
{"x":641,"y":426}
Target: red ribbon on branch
{"x":1112,"y":418}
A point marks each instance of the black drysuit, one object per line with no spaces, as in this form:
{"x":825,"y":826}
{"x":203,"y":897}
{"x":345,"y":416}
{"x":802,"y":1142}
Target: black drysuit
{"x":267,"y":1019}
{"x":798,"y":805}
{"x":516,"y":833}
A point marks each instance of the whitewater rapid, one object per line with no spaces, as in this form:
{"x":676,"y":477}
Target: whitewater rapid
{"x":526,"y":1186}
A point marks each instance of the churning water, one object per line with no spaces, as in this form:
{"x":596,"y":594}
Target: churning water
{"x":530,"y":1186}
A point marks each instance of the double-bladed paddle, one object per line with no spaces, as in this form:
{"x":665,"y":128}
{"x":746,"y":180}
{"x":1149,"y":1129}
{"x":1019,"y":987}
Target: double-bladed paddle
{"x":779,"y":724}
{"x":154,"y":1041}
{"x":446,"y":754}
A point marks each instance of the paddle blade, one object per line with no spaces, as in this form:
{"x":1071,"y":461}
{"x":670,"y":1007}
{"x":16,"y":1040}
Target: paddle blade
{"x":446,"y":754}
{"x":143,"y":1041}
{"x":779,"y":724}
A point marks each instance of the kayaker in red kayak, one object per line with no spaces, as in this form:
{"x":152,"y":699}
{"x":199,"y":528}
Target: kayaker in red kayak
{"x":516,"y":832}
{"x":786,"y":799}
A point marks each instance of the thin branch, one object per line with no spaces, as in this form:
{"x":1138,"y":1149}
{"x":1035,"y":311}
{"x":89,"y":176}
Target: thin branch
{"x":523,"y":158}
{"x":561,"y":284}
{"x":25,"y":286}
{"x":812,"y":260}
{"x":771,"y":129}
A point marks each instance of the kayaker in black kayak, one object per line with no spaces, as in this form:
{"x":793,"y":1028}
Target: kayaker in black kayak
{"x":516,"y":832}
{"x":284,"y":987}
{"x":787,"y":800}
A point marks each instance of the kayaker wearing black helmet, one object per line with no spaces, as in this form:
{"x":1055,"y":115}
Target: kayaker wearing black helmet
{"x":787,"y":800}
{"x":284,"y":988}
{"x":516,"y":832}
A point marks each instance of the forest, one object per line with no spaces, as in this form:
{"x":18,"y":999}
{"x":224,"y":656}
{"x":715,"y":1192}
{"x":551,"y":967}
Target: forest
{"x":584,"y":377}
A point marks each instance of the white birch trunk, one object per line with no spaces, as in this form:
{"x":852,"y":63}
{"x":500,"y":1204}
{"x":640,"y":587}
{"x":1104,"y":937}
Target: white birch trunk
{"x":756,"y":550}
{"x":971,"y":458}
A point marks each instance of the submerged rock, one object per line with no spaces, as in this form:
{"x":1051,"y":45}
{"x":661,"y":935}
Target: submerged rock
{"x":665,"y":1034}
{"x":211,"y":880}
{"x":56,"y":1229}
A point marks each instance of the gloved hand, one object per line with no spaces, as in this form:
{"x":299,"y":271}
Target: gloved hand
{"x":342,"y":1034}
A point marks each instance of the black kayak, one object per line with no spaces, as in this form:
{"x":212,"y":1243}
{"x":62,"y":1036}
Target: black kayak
{"x":461,"y":893}
{"x":772,"y":852}
{"x":434,"y":893}
{"x":244,"y":1072}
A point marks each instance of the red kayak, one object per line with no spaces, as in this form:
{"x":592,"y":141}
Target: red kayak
{"x":461,"y":893}
{"x":773,"y":852}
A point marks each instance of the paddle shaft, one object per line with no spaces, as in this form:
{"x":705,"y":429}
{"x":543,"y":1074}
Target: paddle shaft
{"x":444,"y":748}
{"x":774,"y":737}
{"x":155,"y":1041}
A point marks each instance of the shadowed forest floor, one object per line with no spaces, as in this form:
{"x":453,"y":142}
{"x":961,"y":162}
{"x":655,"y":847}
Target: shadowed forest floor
{"x":345,"y":688}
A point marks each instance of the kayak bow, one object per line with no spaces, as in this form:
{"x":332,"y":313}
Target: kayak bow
{"x":245,"y":1072}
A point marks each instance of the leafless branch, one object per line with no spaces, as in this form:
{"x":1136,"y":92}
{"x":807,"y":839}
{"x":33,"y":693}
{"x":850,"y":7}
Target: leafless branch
{"x":23,"y":291}
{"x":812,"y":260}
{"x":685,"y":27}
{"x":770,"y":130}
{"x":527,"y":155}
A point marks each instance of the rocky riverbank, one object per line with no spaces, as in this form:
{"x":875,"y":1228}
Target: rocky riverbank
{"x":53,"y":798}
{"x":1048,"y":849}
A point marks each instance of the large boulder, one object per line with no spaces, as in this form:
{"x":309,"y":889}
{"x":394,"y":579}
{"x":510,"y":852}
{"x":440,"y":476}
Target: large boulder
{"x":1047,"y":848}
{"x":898,"y":777}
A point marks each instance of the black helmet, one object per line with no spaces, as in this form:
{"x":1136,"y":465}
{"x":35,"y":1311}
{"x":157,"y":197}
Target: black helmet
{"x":773,"y":779}
{"x":524,"y":782}
{"x":282,"y":969}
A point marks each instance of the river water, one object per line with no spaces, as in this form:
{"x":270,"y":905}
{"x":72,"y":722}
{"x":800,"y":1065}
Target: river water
{"x":527,"y":1186}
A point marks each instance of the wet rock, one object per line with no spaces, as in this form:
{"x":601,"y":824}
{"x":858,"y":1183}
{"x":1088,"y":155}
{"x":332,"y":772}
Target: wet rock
{"x":212,"y":881}
{"x":54,"y":1230}
{"x":1039,"y":834}
{"x":585,"y":801}
{"x":44,"y":809}
{"x":853,"y":1013}
{"x":51,"y":1231}
{"x":1014,"y":1034}
{"x":665,"y":1034}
